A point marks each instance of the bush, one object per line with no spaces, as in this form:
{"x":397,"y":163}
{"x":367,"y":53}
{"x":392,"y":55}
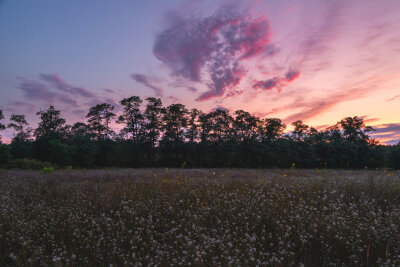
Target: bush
{"x":46,"y":170}
{"x":27,"y":164}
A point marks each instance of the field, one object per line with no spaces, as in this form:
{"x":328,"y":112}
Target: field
{"x":200,"y":217}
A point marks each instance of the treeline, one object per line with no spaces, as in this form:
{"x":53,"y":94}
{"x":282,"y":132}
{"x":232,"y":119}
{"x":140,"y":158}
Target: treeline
{"x":172,"y":136}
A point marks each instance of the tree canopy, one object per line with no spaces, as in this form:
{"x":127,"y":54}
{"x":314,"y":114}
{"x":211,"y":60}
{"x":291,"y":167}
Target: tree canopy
{"x":152,"y":135}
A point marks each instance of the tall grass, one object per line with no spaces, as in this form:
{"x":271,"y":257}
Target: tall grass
{"x":200,"y":217}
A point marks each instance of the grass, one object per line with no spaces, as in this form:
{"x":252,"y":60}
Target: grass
{"x":200,"y":217}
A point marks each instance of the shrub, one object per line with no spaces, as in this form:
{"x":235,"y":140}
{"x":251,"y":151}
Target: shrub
{"x":46,"y":170}
{"x":27,"y":164}
{"x":68,"y":168}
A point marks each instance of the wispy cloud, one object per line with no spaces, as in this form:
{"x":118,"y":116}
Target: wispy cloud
{"x":310,"y":108}
{"x":393,"y":98}
{"x":55,"y":81}
{"x":51,"y":89}
{"x":34,"y":90}
{"x":277,"y":82}
{"x":387,"y":133}
{"x":147,"y":81}
{"x":20,"y":106}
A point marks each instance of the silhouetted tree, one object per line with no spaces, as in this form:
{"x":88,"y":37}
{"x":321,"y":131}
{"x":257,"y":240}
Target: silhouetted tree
{"x":192,"y":130}
{"x":170,"y":136}
{"x":271,"y":129}
{"x":81,"y":129}
{"x":132,"y":118}
{"x":51,"y":124}
{"x":99,"y":118}
{"x":300,"y":131}
{"x":19,"y":124}
{"x":245,"y":127}
{"x":153,"y":115}
{"x":394,"y":157}
{"x":20,"y":146}
{"x":2,"y":126}
{"x":355,"y":130}
{"x":51,"y":136}
{"x":221,"y":125}
{"x":174,"y":119}
{"x":205,"y":126}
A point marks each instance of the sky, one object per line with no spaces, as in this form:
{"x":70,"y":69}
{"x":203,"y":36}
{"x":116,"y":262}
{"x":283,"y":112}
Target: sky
{"x":316,"y":61}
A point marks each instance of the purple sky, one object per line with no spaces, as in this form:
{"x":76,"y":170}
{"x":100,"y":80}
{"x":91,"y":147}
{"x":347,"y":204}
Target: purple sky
{"x":318,"y":61}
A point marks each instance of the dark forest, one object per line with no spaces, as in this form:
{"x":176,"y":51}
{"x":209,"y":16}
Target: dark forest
{"x":173,"y":136}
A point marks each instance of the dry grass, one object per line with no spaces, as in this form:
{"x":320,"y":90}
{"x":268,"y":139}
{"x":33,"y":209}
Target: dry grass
{"x":200,"y":217}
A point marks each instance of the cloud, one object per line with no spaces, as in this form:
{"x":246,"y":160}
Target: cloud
{"x":16,"y":106}
{"x":67,"y":100}
{"x":393,"y":98}
{"x":219,"y":108}
{"x":79,"y":112}
{"x":270,"y":50}
{"x":212,"y":49}
{"x":320,"y":38}
{"x":277,"y":82}
{"x":369,"y":120}
{"x":173,"y":98}
{"x":49,"y":93}
{"x":387,"y":133}
{"x":146,"y":81}
{"x":291,"y":75}
{"x":192,"y":89}
{"x":310,"y":108}
{"x":55,"y":81}
{"x":36,"y":91}
{"x":110,"y":91}
{"x":267,"y":84}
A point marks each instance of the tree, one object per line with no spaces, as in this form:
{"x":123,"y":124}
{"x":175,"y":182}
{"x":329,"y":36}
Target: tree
{"x":2,"y":126}
{"x":51,"y":137}
{"x":153,"y":115}
{"x":19,"y":124}
{"x":355,"y":130}
{"x":170,"y":136}
{"x":192,"y":130}
{"x":4,"y":154}
{"x":245,"y":126}
{"x":205,"y":126}
{"x":99,"y":118}
{"x":221,"y":125}
{"x":271,"y":129}
{"x":175,"y":119}
{"x":51,"y":124}
{"x":81,"y":129}
{"x":394,"y":156}
{"x":21,"y":144}
{"x":300,"y":131}
{"x":132,"y":118}
{"x":83,"y":147}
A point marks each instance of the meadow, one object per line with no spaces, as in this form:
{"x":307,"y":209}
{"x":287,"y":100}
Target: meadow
{"x":200,"y":217}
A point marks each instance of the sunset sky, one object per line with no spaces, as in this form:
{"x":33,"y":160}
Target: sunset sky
{"x":316,"y":61}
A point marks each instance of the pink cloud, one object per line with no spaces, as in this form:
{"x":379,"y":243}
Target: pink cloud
{"x":277,"y":82}
{"x":387,"y":133}
{"x":215,"y":46}
{"x":393,"y":98}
